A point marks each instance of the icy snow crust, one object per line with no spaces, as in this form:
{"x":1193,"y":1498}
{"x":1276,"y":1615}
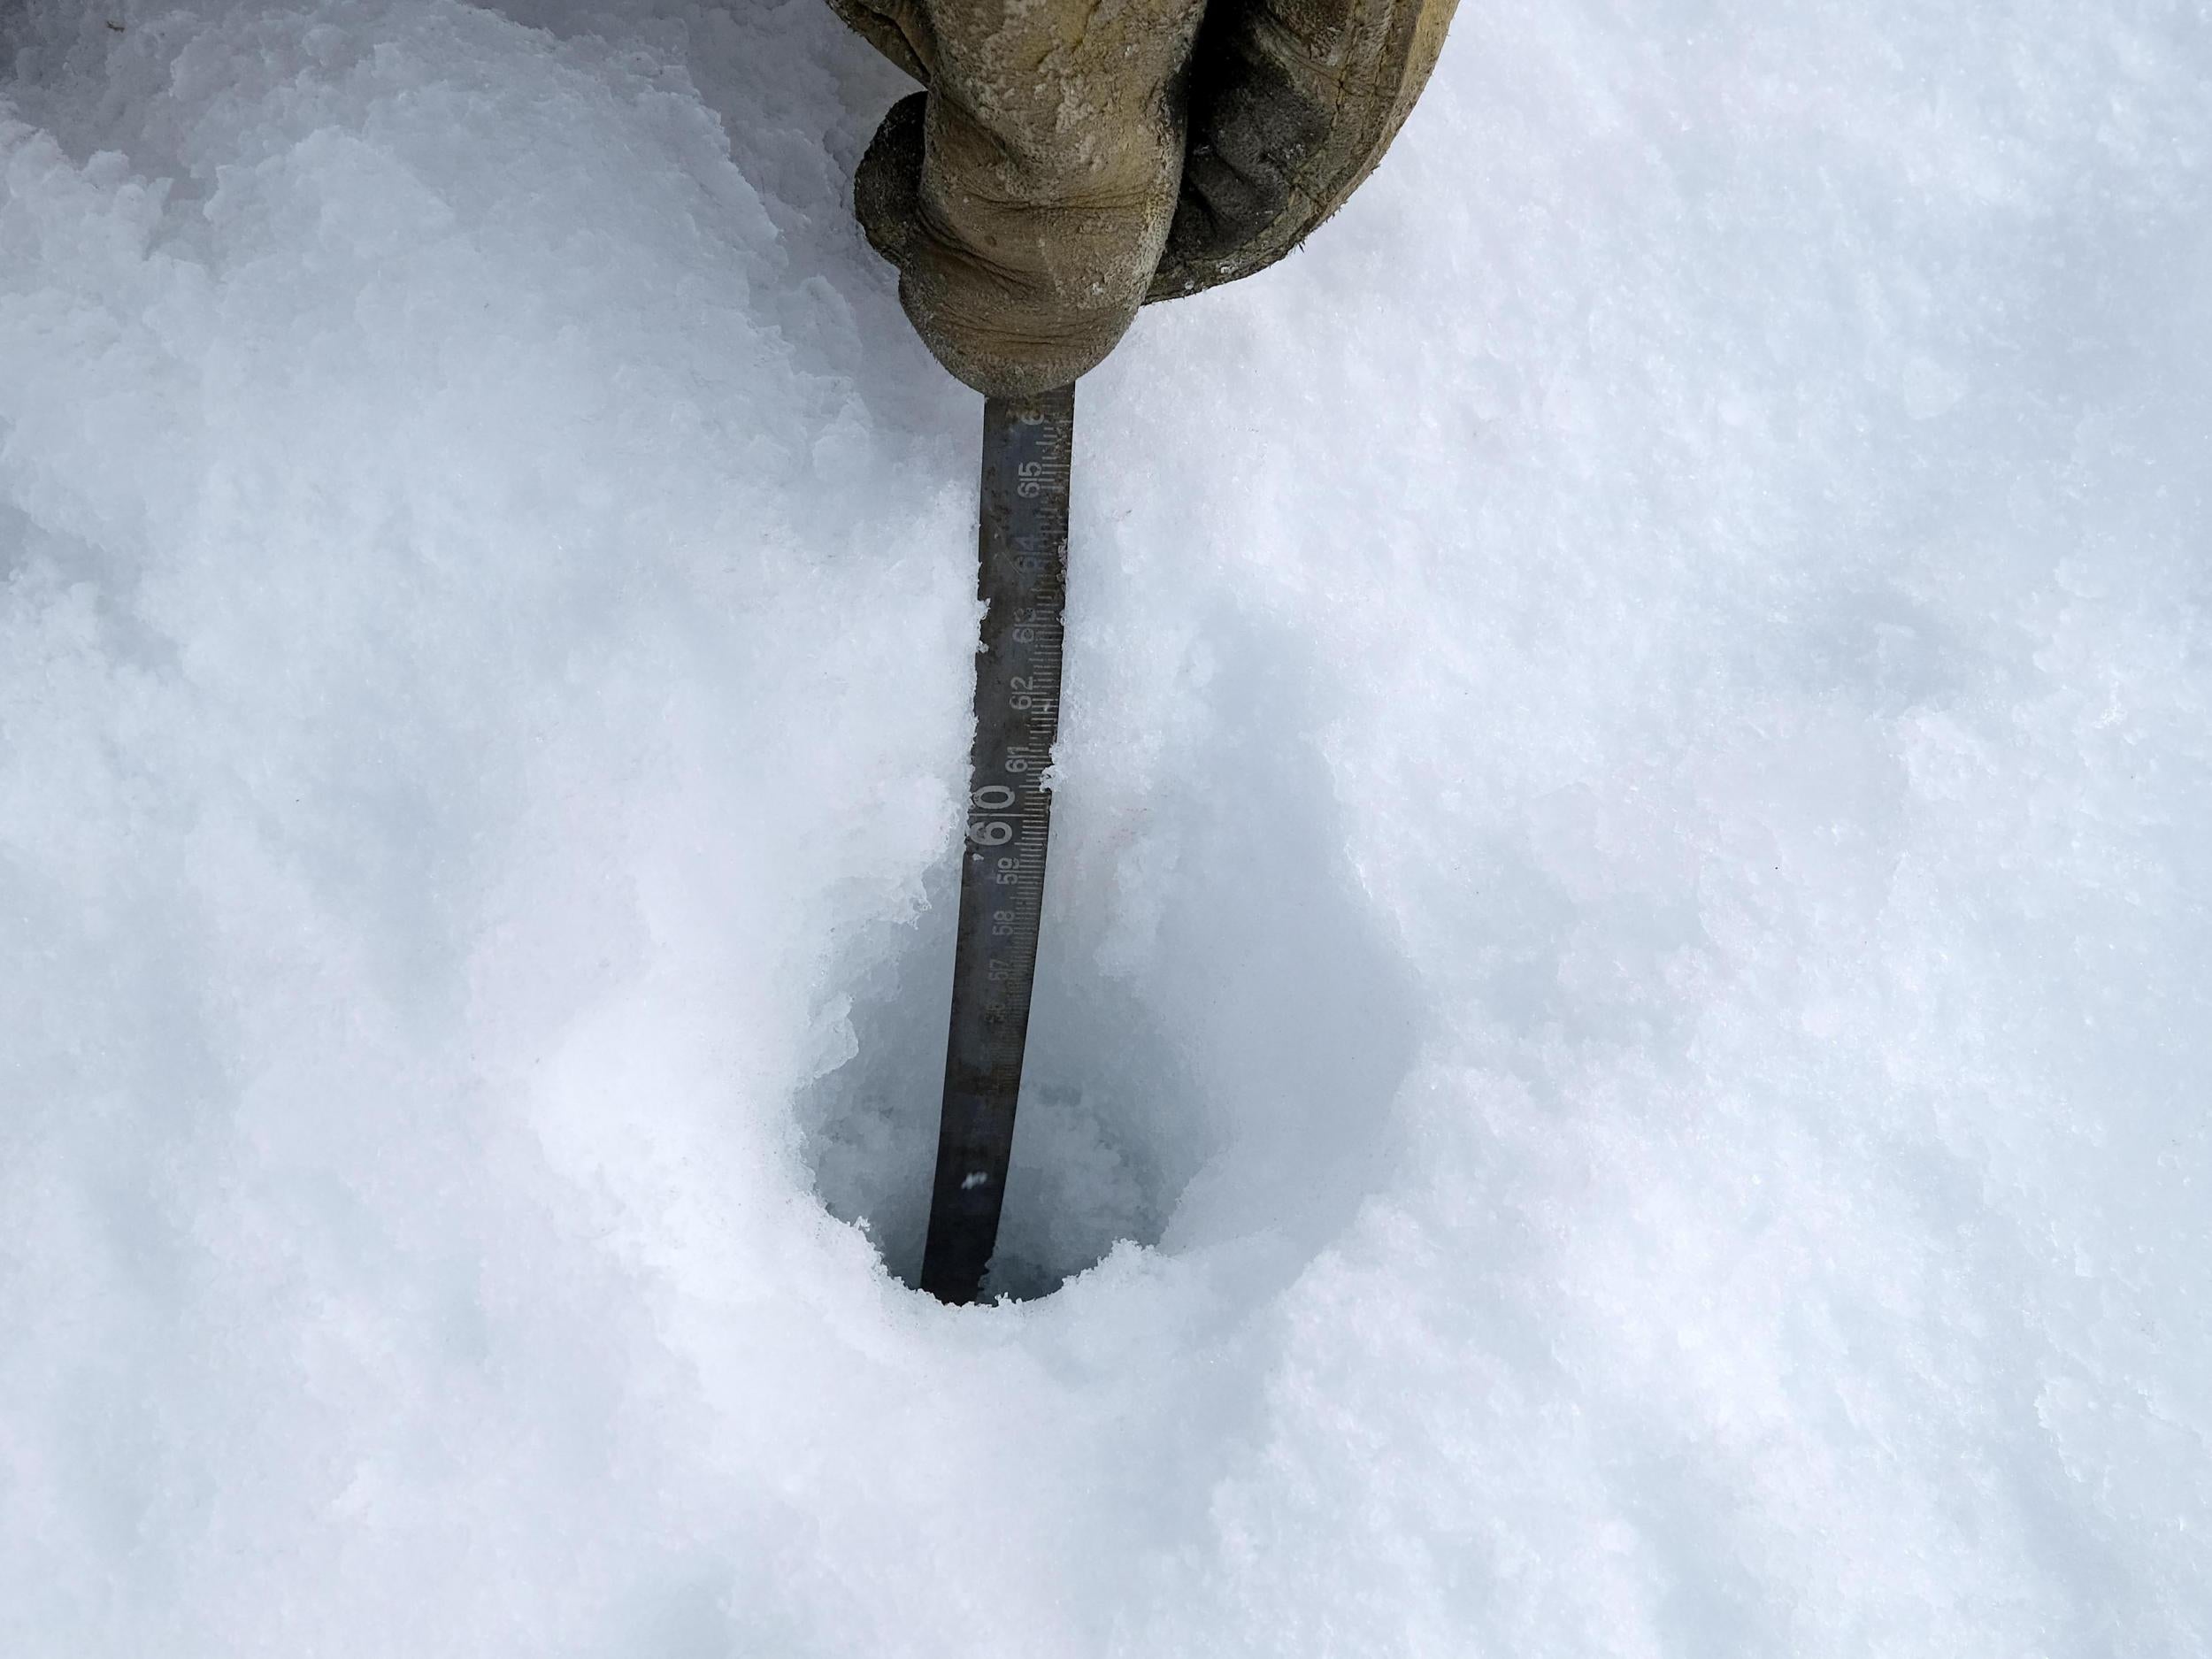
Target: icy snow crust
{"x":1630,"y":897}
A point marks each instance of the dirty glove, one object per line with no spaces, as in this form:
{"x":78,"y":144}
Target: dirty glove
{"x":1072,"y":158}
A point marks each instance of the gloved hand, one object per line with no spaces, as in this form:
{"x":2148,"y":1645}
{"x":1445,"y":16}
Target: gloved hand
{"x":1072,"y":158}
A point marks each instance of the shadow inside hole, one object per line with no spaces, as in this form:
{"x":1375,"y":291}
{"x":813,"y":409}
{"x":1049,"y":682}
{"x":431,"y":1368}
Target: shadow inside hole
{"x":1230,"y":1075}
{"x":1095,"y":1158}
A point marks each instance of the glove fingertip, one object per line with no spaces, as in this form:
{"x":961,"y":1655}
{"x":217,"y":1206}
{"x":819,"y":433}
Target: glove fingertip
{"x":886,"y":188}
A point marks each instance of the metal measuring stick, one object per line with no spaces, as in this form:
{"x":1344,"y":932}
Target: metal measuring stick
{"x":1027,"y":447}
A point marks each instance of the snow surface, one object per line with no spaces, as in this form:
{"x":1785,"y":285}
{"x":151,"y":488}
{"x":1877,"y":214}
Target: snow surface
{"x":1632,"y":913}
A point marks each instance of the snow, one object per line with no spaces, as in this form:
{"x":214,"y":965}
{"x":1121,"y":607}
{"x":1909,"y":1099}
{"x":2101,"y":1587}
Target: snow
{"x":1624,"y":1043}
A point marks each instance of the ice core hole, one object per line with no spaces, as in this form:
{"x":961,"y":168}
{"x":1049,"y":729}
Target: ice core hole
{"x":1104,"y":1144}
{"x":1222,"y":1017}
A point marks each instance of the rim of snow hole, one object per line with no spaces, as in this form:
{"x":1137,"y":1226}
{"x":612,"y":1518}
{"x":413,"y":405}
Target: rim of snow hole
{"x":1098,"y":1157}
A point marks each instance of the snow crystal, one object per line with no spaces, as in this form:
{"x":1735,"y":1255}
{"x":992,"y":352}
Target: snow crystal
{"x":1622,"y":1044}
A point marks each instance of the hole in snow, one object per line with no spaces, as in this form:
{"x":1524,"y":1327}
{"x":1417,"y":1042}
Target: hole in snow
{"x":1220,"y":1022}
{"x":1093,"y":1162}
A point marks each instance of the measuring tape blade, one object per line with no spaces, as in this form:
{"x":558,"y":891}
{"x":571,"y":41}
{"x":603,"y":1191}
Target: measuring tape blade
{"x":1028,"y":445}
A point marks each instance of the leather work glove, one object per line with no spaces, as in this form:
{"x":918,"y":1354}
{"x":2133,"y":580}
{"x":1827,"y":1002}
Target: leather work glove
{"x":1073,"y":159}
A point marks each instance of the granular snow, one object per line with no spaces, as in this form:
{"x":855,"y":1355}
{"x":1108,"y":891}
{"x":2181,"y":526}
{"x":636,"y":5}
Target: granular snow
{"x":1623,"y":1043}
